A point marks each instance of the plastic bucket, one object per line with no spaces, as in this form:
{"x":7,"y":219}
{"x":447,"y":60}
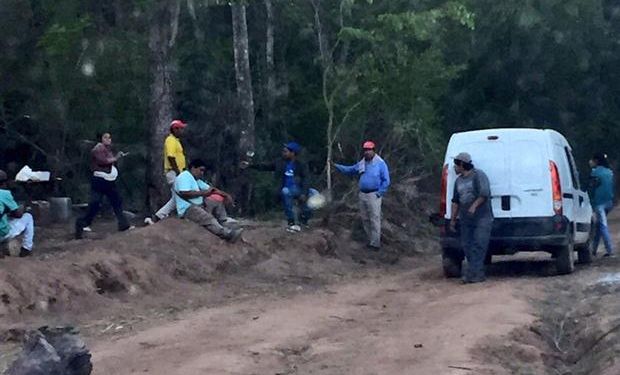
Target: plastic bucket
{"x":60,"y":209}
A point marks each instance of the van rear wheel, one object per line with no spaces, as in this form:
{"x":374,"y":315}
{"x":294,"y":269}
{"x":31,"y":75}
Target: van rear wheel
{"x":565,"y":258}
{"x":452,"y":263}
{"x":584,"y":253}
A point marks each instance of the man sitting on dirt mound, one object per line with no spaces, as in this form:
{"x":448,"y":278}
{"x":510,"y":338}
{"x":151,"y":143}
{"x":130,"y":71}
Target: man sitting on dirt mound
{"x":190,"y":193}
{"x":13,"y":221}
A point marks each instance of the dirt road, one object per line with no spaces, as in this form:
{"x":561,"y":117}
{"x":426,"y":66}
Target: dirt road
{"x":414,"y":322}
{"x":402,"y":320}
{"x":302,"y":305}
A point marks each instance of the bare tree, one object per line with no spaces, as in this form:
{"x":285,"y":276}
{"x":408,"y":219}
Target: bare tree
{"x":163,"y":29}
{"x":269,"y":60}
{"x":243,"y":78}
{"x":198,"y":33}
{"x":333,"y":85}
{"x":245,"y":95}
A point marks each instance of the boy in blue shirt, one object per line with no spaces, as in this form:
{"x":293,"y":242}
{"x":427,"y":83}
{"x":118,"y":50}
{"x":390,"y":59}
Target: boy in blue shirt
{"x":374,"y":180}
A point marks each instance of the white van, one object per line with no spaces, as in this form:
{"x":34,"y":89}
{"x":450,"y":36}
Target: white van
{"x":537,"y":200}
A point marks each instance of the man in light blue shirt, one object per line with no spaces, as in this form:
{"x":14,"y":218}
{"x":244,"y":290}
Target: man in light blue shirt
{"x":190,"y":191}
{"x":374,"y":180}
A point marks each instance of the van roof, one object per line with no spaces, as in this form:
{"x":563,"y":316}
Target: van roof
{"x":510,"y":130}
{"x":553,"y":134}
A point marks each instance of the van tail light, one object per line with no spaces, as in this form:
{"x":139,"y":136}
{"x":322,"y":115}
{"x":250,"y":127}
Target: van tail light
{"x":443,"y":206}
{"x":556,"y":188}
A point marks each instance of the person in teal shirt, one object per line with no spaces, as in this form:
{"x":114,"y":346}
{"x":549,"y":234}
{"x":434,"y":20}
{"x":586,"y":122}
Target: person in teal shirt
{"x":13,"y":221}
{"x":190,"y":192}
{"x":602,"y":199}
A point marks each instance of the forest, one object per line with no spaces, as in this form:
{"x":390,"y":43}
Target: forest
{"x":248,"y":76}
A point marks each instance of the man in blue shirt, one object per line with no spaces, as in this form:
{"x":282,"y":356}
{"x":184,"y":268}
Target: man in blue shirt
{"x":13,"y":221}
{"x":374,"y":180}
{"x":190,"y":191}
{"x":292,"y":180}
{"x":602,"y":198}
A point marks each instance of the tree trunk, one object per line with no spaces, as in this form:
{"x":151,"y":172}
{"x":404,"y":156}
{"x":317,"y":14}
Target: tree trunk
{"x":245,"y":97}
{"x":270,"y":64}
{"x":326,"y":64}
{"x":162,"y":32}
{"x":198,"y":33}
{"x":244,"y":79}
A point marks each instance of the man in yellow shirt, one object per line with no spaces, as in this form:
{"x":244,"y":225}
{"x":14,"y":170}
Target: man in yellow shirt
{"x":174,"y":164}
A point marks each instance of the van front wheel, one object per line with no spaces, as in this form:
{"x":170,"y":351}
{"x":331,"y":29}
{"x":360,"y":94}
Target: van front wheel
{"x":452,"y":264}
{"x":565,"y":258}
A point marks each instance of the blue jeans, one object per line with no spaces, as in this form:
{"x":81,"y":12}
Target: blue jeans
{"x":601,"y":229}
{"x":475,"y":236}
{"x":289,"y":196}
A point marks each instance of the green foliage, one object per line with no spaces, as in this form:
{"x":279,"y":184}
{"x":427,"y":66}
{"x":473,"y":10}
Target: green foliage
{"x":405,"y":73}
{"x":398,"y":72}
{"x":59,"y":40}
{"x":547,"y":64}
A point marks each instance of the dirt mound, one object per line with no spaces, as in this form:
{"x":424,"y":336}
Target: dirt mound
{"x":145,"y":261}
{"x":577,"y":330}
{"x":405,"y":228}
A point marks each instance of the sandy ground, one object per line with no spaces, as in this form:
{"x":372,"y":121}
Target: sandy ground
{"x":411,"y":322}
{"x":282,"y":315}
{"x":404,"y":320}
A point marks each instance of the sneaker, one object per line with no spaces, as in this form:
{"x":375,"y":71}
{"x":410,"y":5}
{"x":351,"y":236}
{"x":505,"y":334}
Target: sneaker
{"x":293,"y":228}
{"x":234,"y":235}
{"x":149,"y":221}
{"x":23,"y":252}
{"x":87,"y":229}
{"x":230,"y":220}
{"x":609,"y":255}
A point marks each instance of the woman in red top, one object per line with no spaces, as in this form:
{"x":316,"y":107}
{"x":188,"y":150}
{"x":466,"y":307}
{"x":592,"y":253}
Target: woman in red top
{"x":103,"y":183}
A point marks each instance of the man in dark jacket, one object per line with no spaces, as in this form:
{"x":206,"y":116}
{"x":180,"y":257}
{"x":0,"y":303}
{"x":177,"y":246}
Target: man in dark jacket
{"x":292,"y":180}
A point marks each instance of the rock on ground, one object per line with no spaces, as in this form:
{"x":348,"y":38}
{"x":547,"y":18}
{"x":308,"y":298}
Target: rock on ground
{"x":56,"y":351}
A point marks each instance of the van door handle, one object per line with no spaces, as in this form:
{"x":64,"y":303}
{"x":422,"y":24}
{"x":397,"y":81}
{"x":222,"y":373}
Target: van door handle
{"x":568,"y":196}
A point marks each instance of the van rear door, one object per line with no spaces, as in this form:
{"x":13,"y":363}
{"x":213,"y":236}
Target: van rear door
{"x":488,"y":152}
{"x":530,"y":180}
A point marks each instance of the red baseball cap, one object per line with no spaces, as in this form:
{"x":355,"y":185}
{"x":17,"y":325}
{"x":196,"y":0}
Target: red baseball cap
{"x":368,"y":145}
{"x":177,"y":124}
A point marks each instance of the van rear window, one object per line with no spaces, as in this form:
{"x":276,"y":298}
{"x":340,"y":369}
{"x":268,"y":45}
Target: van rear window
{"x":527,"y":163}
{"x":489,"y":157}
